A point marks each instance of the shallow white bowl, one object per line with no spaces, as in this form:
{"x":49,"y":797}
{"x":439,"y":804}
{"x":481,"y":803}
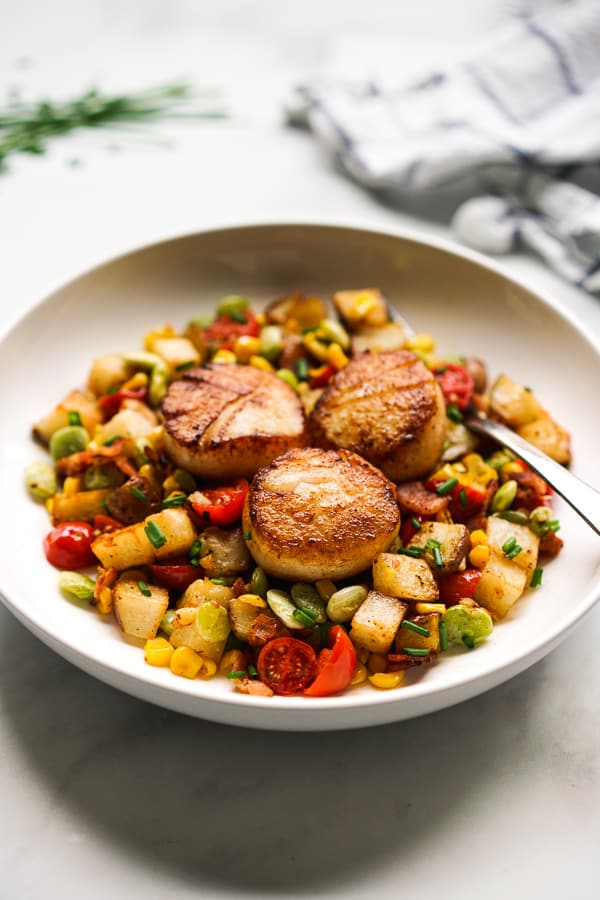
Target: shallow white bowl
{"x":468,"y":304}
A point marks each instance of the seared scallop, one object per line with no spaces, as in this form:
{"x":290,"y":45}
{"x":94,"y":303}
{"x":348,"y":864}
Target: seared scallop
{"x":389,"y":408}
{"x":227,"y":421}
{"x":319,"y":514}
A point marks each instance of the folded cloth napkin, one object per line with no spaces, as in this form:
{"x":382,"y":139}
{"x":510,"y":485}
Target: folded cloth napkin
{"x":517,"y":123}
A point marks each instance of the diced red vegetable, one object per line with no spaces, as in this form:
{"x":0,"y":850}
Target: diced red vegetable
{"x":456,"y":384}
{"x":220,"y":506}
{"x":337,"y":665}
{"x":69,"y":546}
{"x":224,"y":331}
{"x":110,"y":404}
{"x":458,"y":585}
{"x":322,"y":376}
{"x":175,"y":576}
{"x":287,"y":665}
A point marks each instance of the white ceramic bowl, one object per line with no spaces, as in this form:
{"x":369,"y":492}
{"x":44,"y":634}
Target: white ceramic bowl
{"x":467,"y":303}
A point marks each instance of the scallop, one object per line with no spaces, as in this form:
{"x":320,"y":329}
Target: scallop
{"x":316,"y":513}
{"x":388,"y":408}
{"x":227,"y":421}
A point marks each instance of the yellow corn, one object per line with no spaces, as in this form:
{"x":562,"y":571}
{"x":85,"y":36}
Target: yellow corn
{"x":104,"y":601}
{"x":261,"y":318}
{"x":510,"y":468}
{"x":232,"y":661}
{"x":376,"y":663}
{"x":479,"y":556}
{"x":315,"y":346}
{"x":360,"y":676}
{"x":245,"y":347}
{"x":253,"y":600}
{"x":208,"y":668}
{"x":138,"y":380}
{"x":166,"y":331}
{"x":422,"y":342}
{"x":336,"y":356}
{"x":425,"y":608}
{"x":259,"y":362}
{"x":186,"y":662}
{"x":158,"y":652}
{"x":71,"y":486}
{"x":155,"y":437}
{"x":479,"y":537}
{"x":50,"y":506}
{"x":363,"y":304}
{"x":386,"y":680}
{"x":224,"y":356}
{"x":170,"y":485}
{"x":303,"y":388}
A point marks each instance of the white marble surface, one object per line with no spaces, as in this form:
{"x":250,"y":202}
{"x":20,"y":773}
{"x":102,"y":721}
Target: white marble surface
{"x":103,"y":795}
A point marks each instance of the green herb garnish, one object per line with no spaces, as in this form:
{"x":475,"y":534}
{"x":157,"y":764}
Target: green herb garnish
{"x":418,"y":629}
{"x":176,"y":500}
{"x":145,"y":590}
{"x":413,"y":651}
{"x":305,"y":617}
{"x":74,"y":418}
{"x":454,"y":413}
{"x":536,"y":578}
{"x":446,"y":487}
{"x":111,"y":440}
{"x":415,"y":552}
{"x":139,"y":495}
{"x":155,"y":534}
{"x":239,"y":673}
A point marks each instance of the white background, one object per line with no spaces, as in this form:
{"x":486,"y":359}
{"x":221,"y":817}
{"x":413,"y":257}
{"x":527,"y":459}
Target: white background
{"x":103,"y":795}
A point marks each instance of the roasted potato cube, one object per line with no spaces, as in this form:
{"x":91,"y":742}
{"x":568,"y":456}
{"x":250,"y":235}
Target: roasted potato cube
{"x":227,"y":553}
{"x":390,"y":336}
{"x":79,"y":507}
{"x":204,"y":628}
{"x":76,"y":401}
{"x":361,"y":309}
{"x":406,"y":637}
{"x":548,"y":436}
{"x":451,"y":540}
{"x":499,"y":531}
{"x":131,"y":546}
{"x":128,"y":423}
{"x":107,"y":372}
{"x":403,"y":576}
{"x":202,"y":590}
{"x":137,"y":614}
{"x":513,"y":403}
{"x":501,"y":584}
{"x":176,"y":352}
{"x":242,"y":613}
{"x":306,"y":311}
{"x":376,"y":623}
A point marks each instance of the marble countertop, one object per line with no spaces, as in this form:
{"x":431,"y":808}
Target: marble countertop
{"x":103,"y":795}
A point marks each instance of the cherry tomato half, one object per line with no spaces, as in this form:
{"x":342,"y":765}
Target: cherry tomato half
{"x":224,"y":331}
{"x":220,"y":506}
{"x":110,"y":404}
{"x":456,"y":384}
{"x":458,"y":585}
{"x":466,"y":500}
{"x":287,"y":665}
{"x":176,"y":576}
{"x":68,"y":546}
{"x":322,"y":376}
{"x":106,"y":523}
{"x":337,"y":665}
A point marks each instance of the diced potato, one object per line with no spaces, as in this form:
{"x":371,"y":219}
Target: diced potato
{"x":376,"y":623}
{"x":138,"y":615}
{"x":390,"y":336}
{"x":131,"y":546}
{"x":499,"y":531}
{"x":227,"y":552}
{"x":127,"y":423}
{"x":76,"y":401}
{"x":513,"y":403}
{"x":548,"y":436}
{"x":361,"y":309}
{"x":79,"y":507}
{"x":454,"y":545}
{"x":408,"y":638}
{"x":306,"y":311}
{"x":202,"y":590}
{"x":107,"y":372}
{"x":501,"y":584}
{"x":176,"y":351}
{"x":403,"y":576}
{"x":179,"y":531}
{"x":187,"y":633}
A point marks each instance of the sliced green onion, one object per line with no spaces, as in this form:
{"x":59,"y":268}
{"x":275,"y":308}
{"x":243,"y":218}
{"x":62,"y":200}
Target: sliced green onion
{"x":512,"y":515}
{"x":446,"y":487}
{"x":74,"y":418}
{"x":218,"y":581}
{"x":454,"y":413}
{"x":468,"y":641}
{"x":416,"y":524}
{"x":415,"y":552}
{"x":443,"y":636}
{"x":252,"y":671}
{"x":238,"y":316}
{"x":304,"y":617}
{"x":247,"y":535}
{"x":302,"y":369}
{"x":140,"y":495}
{"x":432,"y":544}
{"x":155,"y":534}
{"x":536,"y":578}
{"x":185,"y":365}
{"x":437,"y":557}
{"x":144,"y":589}
{"x":185,"y":480}
{"x":508,"y":545}
{"x":462,"y":497}
{"x":239,"y":673}
{"x":514,"y":552}
{"x":176,"y":500}
{"x":418,"y":629}
{"x":413,"y":651}
{"x":111,"y":440}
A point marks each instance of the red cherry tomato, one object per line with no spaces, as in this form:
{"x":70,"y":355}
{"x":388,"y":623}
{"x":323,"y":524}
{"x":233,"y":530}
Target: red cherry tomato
{"x":466,"y":500}
{"x":458,"y":585}
{"x":220,"y":506}
{"x":106,"y":523}
{"x":323,"y":376}
{"x":287,"y":665}
{"x":456,"y":384}
{"x":337,"y":665}
{"x":177,"y":576}
{"x":224,"y":331}
{"x":68,"y":546}
{"x":408,"y":530}
{"x":110,"y":404}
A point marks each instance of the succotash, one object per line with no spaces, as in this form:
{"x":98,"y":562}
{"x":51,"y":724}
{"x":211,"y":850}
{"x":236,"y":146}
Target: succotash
{"x":154,"y":529}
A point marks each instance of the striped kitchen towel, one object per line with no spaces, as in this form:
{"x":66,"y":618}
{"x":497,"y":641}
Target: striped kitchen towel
{"x":517,"y":124}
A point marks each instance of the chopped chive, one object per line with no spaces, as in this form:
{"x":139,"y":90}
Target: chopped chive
{"x":104,"y":506}
{"x":238,"y":316}
{"x":113,"y":389}
{"x":441,"y":370}
{"x":432,"y":544}
{"x":443,"y":636}
{"x":176,"y":500}
{"x":185,"y":365}
{"x":74,"y":418}
{"x":302,"y":369}
{"x":462,"y":497}
{"x":110,"y":441}
{"x":252,"y":671}
{"x":418,"y":629}
{"x":303,"y":616}
{"x":247,"y":535}
{"x":194,"y":554}
{"x":514,"y":552}
{"x":437,"y":557}
{"x":446,"y":487}
{"x":239,"y":673}
{"x":468,"y":641}
{"x":508,"y":545}
{"x":140,"y":495}
{"x":220,"y":581}
{"x":145,"y":590}
{"x":454,"y":413}
{"x":416,"y":524}
{"x":155,"y":534}
{"x":413,"y":651}
{"x":512,"y":515}
{"x":536,"y":578}
{"x":415,"y":552}
{"x":553,"y":525}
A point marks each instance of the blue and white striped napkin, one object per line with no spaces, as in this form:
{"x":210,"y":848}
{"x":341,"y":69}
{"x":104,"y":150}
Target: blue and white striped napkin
{"x":517,"y":124}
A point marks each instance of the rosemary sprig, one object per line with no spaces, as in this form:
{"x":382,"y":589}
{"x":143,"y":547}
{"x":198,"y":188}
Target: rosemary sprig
{"x":28,"y":127}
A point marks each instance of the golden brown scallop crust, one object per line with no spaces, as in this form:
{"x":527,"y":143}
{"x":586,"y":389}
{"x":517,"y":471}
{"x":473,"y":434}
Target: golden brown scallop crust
{"x":227,"y":421}
{"x":388,"y":408}
{"x":316,"y":513}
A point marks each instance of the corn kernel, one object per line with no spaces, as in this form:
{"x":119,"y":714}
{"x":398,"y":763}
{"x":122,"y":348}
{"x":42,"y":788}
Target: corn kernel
{"x":479,"y":537}
{"x":71,"y":486}
{"x":376,"y":663}
{"x":245,"y":347}
{"x":479,"y":556}
{"x":360,"y":676}
{"x":261,"y":318}
{"x":232,"y":661}
{"x":158,"y":652}
{"x":425,"y":608}
{"x":170,"y":484}
{"x":259,"y":362}
{"x":224,"y":357}
{"x":303,"y":388}
{"x":253,"y":600}
{"x":386,"y":680}
{"x":316,"y":347}
{"x":336,"y":356}
{"x":186,"y":662}
{"x":422,"y":342}
{"x":208,"y":668}
{"x":138,"y":380}
{"x":510,"y":468}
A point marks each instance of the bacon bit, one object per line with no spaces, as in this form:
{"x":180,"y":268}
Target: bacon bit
{"x":79,"y":462}
{"x":253,"y":686}
{"x":414,"y":497}
{"x":239,"y":587}
{"x":477,"y":522}
{"x":551,"y":545}
{"x":264,"y":628}
{"x":532,"y":490}
{"x":397,"y":662}
{"x":103,"y":589}
{"x":125,"y":466}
